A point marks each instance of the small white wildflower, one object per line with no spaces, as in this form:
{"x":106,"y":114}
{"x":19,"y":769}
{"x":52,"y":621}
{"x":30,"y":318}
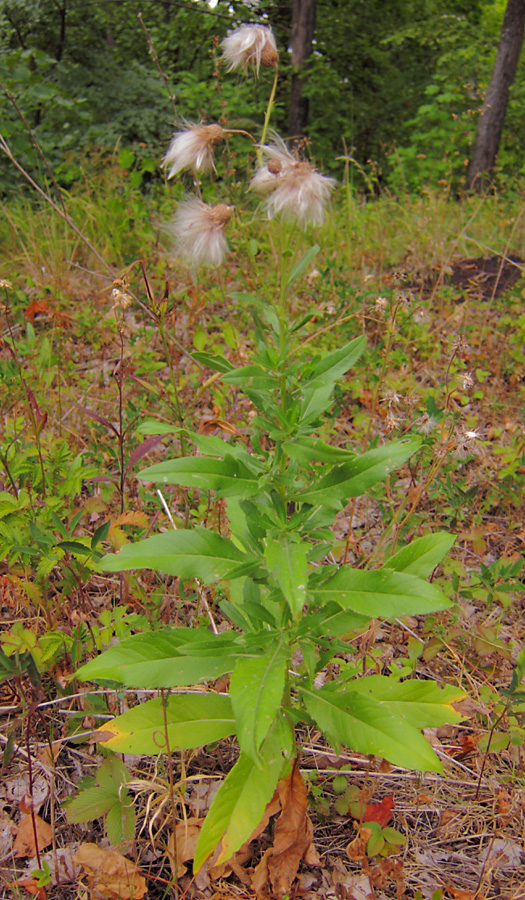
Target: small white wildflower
{"x":4,"y":283}
{"x":250,"y":45}
{"x":198,"y":229}
{"x":193,"y":149}
{"x":381,"y":304}
{"x":293,"y":187}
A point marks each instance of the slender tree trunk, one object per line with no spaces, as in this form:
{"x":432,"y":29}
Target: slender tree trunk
{"x":492,"y":117}
{"x":303,"y":29}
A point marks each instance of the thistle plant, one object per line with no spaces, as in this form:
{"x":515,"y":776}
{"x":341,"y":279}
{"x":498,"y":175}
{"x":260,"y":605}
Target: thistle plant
{"x":288,"y":610}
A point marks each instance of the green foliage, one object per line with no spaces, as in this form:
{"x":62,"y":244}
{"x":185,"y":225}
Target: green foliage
{"x":287,"y":611}
{"x":84,"y":81}
{"x":108,"y":797}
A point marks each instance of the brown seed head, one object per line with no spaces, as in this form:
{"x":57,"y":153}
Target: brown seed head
{"x":221,"y":214}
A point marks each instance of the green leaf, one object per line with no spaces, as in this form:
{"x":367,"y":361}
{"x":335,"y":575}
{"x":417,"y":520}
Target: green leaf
{"x":228,"y":477}
{"x":331,"y":366}
{"x":302,"y":264}
{"x":168,"y":658}
{"x":356,"y":477}
{"x":90,"y":804}
{"x":213,"y":361}
{"x":367,"y":726}
{"x":120,"y":820}
{"x":392,"y":836}
{"x":421,"y":556}
{"x":100,"y":534}
{"x":307,"y":450}
{"x":383,"y":593}
{"x":191,"y":721}
{"x":335,"y":621}
{"x":375,"y":843}
{"x":287,"y":563}
{"x":256,"y":692}
{"x":109,"y":797}
{"x":74,"y":547}
{"x":196,"y":553}
{"x":422,"y":704}
{"x":239,"y":804}
{"x":251,"y":378}
{"x":152,"y":426}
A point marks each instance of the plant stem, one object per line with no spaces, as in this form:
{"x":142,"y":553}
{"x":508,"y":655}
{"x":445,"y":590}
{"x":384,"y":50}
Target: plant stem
{"x":267,"y":116}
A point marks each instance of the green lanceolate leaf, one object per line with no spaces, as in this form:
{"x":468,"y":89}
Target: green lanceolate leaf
{"x":256,"y":692}
{"x":229,"y":477}
{"x":333,"y":621}
{"x":239,"y":804}
{"x":356,"y":477}
{"x":213,"y":361}
{"x":168,"y":658}
{"x":196,"y":553}
{"x":251,"y":378}
{"x":422,"y":704}
{"x":302,"y":264}
{"x":287,"y":563}
{"x":421,"y":556}
{"x":329,"y":367}
{"x":307,"y":450}
{"x":182,"y":721}
{"x":382,"y":593}
{"x":367,"y":726}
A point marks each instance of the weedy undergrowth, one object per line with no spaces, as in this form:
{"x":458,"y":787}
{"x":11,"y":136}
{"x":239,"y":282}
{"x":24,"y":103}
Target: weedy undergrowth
{"x":289,"y":611}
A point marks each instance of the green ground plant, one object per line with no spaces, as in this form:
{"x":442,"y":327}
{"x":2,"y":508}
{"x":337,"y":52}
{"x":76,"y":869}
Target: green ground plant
{"x":290,"y":609}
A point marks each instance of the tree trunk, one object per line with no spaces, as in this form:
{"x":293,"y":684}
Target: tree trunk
{"x":303,"y":29}
{"x":492,"y":117}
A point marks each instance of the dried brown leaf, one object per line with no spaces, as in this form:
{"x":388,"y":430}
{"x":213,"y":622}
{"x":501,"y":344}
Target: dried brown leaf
{"x":292,"y":840}
{"x":110,"y":876}
{"x":182,"y":843}
{"x":25,"y":844}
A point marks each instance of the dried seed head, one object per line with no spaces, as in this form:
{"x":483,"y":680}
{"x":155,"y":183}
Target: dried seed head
{"x":193,"y":149}
{"x":293,"y":187}
{"x":427,"y":423}
{"x":121,"y":300}
{"x":4,"y":283}
{"x":198,"y":229}
{"x":250,"y":45}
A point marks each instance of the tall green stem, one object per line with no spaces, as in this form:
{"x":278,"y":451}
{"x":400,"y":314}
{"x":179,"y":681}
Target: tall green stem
{"x":267,"y":116}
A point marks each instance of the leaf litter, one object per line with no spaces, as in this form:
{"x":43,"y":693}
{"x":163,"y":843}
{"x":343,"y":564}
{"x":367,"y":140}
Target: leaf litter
{"x":464,"y":831}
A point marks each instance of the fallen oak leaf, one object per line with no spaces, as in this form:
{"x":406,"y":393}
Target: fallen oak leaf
{"x":109,"y":874}
{"x":25,"y":844}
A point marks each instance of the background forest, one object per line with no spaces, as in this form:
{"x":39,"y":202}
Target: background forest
{"x":397,"y":85}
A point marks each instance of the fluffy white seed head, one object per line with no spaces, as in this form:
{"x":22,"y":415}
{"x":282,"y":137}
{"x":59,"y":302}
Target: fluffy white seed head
{"x":193,"y":149}
{"x":198,"y":229}
{"x":293,"y":188}
{"x":250,"y":45}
